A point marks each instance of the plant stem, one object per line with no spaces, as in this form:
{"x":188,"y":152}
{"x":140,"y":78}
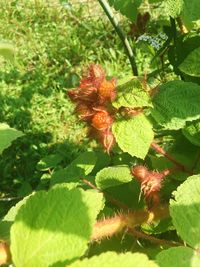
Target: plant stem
{"x":104,"y":4}
{"x":5,"y":199}
{"x":161,"y":151}
{"x":196,"y":162}
{"x":111,"y":199}
{"x":152,"y":239}
{"x":173,"y":28}
{"x":111,"y":226}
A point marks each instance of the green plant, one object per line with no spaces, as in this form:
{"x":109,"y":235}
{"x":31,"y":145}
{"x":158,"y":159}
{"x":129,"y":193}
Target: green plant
{"x":146,"y":186}
{"x":52,"y":44}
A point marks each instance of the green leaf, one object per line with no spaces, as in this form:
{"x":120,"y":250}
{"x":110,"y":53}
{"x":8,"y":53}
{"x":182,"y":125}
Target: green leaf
{"x":191,"y":9}
{"x":7,"y":51}
{"x":134,"y":135}
{"x":122,"y":159}
{"x":25,"y":189}
{"x":113,"y":259}
{"x":178,"y":53}
{"x":175,"y":103}
{"x":154,"y":1}
{"x":5,"y":230}
{"x":174,"y":7}
{"x":103,"y":160}
{"x":132,"y":95}
{"x":49,"y":161}
{"x":10,"y":216}
{"x":185,"y":211}
{"x":186,"y":154}
{"x":54,"y":228}
{"x":179,"y":257}
{"x":128,"y":8}
{"x":81,"y":166}
{"x":86,"y":162}
{"x":68,"y":186}
{"x":7,"y":135}
{"x":66,"y":175}
{"x":158,"y":227}
{"x":191,"y":63}
{"x":128,"y":194}
{"x":192,"y":132}
{"x":112,"y":176}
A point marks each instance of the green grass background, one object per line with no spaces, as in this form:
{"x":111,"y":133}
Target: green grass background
{"x":53,"y":44}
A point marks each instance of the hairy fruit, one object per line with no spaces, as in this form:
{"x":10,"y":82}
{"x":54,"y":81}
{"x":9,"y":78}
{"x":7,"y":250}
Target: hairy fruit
{"x":101,"y":120}
{"x":151,"y":183}
{"x":93,"y":98}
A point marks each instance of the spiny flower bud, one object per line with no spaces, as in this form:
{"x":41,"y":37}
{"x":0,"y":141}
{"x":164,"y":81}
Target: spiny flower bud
{"x":130,"y":112}
{"x":107,"y":90}
{"x":85,"y":111}
{"x":92,"y":98}
{"x":102,"y":120}
{"x":108,"y":140}
{"x":151,"y":183}
{"x":88,"y":94}
{"x":93,"y":77}
{"x":140,"y":172}
{"x":5,"y":256}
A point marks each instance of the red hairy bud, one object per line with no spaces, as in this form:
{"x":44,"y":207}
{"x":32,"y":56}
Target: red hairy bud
{"x":96,"y":71}
{"x":140,"y":172}
{"x":73,"y":94}
{"x":94,"y":77}
{"x":151,"y":183}
{"x":5,"y":256}
{"x":85,"y":111}
{"x":92,"y":97}
{"x":88,"y":94}
{"x":130,"y":112}
{"x":108,"y":140}
{"x":107,"y":90}
{"x":102,"y":120}
{"x":105,"y":137}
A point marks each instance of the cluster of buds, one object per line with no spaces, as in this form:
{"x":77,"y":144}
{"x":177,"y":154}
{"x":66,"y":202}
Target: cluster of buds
{"x":93,"y":98}
{"x":151,"y":183}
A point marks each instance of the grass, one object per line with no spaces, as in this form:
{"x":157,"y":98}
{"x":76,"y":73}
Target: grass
{"x":52,"y":46}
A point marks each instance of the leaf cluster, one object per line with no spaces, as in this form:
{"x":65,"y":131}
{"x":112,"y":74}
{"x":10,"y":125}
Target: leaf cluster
{"x":66,"y":219}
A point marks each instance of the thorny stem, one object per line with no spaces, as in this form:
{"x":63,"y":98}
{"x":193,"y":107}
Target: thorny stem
{"x":111,"y":226}
{"x":152,"y":239}
{"x":111,"y":199}
{"x":161,"y":151}
{"x":120,"y":33}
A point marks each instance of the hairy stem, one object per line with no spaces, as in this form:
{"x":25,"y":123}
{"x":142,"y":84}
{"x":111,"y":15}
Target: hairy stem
{"x":161,"y":151}
{"x":152,"y":239}
{"x":104,"y":4}
{"x":111,"y":226}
